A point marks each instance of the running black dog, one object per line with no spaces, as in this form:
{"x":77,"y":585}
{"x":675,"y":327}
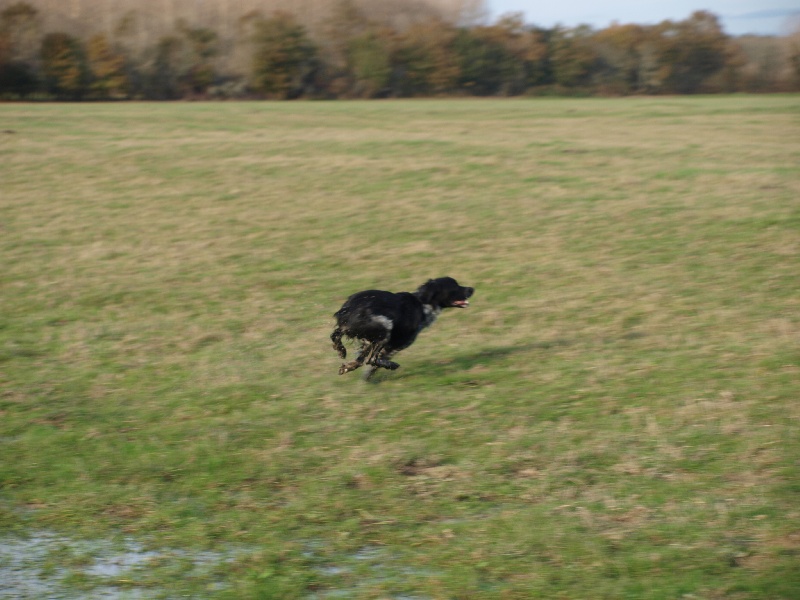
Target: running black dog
{"x":385,"y":323}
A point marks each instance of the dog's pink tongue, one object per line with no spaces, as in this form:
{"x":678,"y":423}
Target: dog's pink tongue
{"x":461,"y":303}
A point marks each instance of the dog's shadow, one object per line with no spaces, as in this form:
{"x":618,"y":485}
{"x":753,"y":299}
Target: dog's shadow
{"x":461,"y":363}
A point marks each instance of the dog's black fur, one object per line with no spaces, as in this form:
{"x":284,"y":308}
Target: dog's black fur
{"x":385,"y":323}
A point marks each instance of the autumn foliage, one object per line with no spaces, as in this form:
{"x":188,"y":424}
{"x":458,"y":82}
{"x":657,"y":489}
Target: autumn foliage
{"x":349,"y":48}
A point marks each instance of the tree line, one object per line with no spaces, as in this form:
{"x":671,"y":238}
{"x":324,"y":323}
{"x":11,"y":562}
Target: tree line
{"x":381,"y":48}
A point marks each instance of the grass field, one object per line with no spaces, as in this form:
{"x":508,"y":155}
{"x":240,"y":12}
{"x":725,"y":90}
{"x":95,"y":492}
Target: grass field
{"x":616,"y":415}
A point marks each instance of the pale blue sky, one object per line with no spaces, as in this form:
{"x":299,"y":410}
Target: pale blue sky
{"x":766,"y":17}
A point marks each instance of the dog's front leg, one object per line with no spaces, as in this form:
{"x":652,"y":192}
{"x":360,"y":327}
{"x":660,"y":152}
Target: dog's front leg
{"x":364,"y":354}
{"x":351,"y":366}
{"x":381,"y":360}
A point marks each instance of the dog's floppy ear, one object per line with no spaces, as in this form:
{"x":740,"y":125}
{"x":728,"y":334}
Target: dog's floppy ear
{"x":424,"y":291}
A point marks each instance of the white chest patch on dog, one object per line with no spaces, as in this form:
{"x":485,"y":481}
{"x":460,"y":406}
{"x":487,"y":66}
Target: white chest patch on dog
{"x":386,"y":322}
{"x":431,"y":314}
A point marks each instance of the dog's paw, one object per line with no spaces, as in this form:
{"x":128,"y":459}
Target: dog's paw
{"x":347,"y":367}
{"x":385,"y":364}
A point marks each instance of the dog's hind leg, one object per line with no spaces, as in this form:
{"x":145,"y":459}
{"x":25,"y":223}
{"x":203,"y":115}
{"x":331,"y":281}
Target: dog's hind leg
{"x":369,"y":372}
{"x":336,"y":338}
{"x":385,"y":363}
{"x":380,"y":361}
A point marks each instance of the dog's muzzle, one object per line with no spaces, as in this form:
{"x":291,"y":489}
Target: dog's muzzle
{"x":464,"y":303}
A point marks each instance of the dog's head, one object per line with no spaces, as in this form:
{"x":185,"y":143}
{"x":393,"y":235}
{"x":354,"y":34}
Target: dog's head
{"x":444,"y":293}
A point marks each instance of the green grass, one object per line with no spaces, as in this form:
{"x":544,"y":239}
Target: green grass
{"x":615,"y":416}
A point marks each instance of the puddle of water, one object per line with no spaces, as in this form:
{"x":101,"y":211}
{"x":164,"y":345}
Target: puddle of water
{"x":379,"y":562}
{"x":369,"y":553}
{"x":331,"y":571}
{"x":33,"y":567}
{"x":17,"y":559}
{"x":114,"y":566}
{"x":39,"y":565}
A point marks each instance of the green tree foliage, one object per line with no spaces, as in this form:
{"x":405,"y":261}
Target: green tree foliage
{"x":370,"y":60}
{"x":347,"y":23}
{"x":370,"y":48}
{"x":17,"y":78}
{"x":527,"y":46}
{"x":19,"y":30}
{"x":426,"y":61}
{"x":573,"y":56}
{"x":20,"y":27}
{"x":181,"y":64}
{"x":108,"y":74}
{"x":202,"y":46}
{"x":484,"y":64}
{"x":505,"y":58}
{"x":622,"y":51}
{"x":64,"y":67}
{"x":163,"y":73}
{"x":359,"y":52}
{"x":793,"y":44}
{"x":689,"y":52}
{"x":284,"y":58}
